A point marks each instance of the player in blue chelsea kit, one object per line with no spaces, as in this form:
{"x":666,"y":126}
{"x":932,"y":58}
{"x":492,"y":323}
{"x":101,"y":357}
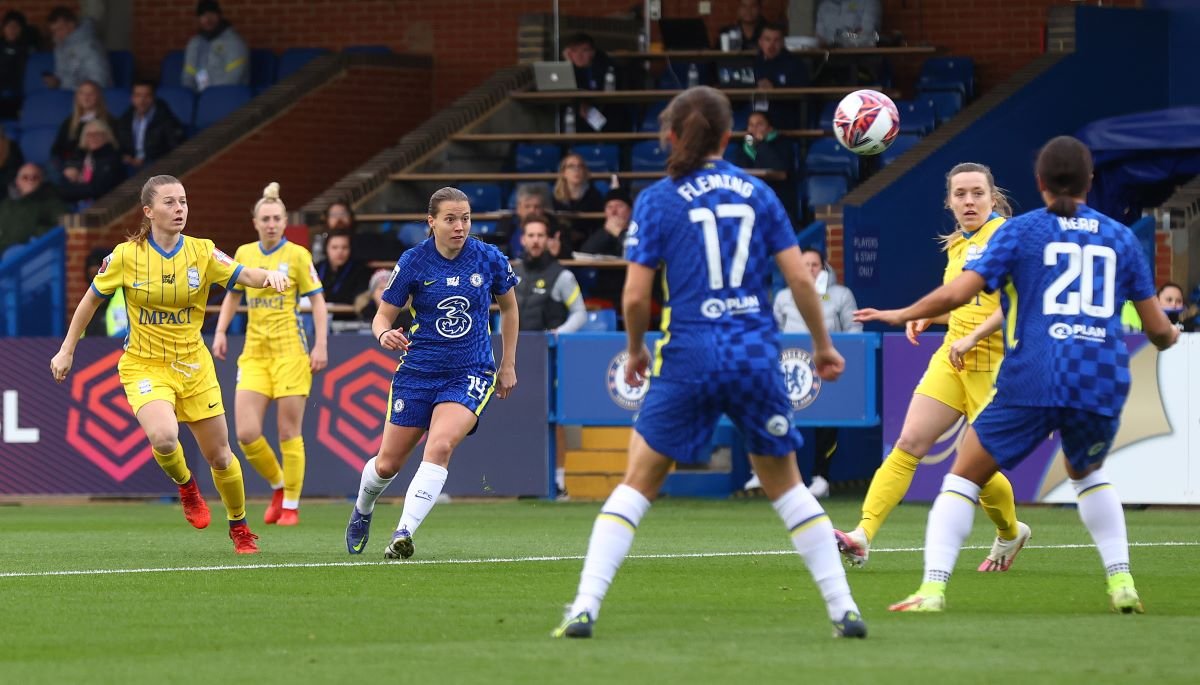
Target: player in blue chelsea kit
{"x":714,"y":229}
{"x":447,"y":372}
{"x":1062,"y":272}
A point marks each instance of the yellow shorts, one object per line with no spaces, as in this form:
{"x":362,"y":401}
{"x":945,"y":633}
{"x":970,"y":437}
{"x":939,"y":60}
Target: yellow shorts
{"x":277,"y":377}
{"x":189,"y":385}
{"x":967,"y":391}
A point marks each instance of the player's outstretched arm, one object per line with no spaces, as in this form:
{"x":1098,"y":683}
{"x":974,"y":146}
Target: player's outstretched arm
{"x":252,"y":277}
{"x":635,"y":303}
{"x":827,"y":359}
{"x":961,"y":346}
{"x":1158,"y":328}
{"x":509,"y":331}
{"x":60,"y":365}
{"x":220,"y":345}
{"x":948,"y":297}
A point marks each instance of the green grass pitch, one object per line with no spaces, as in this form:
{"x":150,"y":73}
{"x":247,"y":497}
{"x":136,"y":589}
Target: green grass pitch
{"x":708,"y":596}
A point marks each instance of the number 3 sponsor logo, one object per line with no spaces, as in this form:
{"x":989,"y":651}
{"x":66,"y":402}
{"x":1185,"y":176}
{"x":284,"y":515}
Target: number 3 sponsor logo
{"x":456,"y":322}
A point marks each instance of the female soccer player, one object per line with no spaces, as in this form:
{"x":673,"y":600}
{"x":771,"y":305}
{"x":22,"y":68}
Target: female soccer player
{"x":958,"y":381}
{"x":713,"y":228}
{"x":166,"y":369}
{"x":1062,"y":270}
{"x":275,"y":363}
{"x":447,"y":372}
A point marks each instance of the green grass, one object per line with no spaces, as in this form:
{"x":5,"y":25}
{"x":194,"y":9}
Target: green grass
{"x":753,"y":618}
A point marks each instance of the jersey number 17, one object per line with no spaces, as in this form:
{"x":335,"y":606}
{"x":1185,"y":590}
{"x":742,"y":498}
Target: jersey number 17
{"x":712,"y":242}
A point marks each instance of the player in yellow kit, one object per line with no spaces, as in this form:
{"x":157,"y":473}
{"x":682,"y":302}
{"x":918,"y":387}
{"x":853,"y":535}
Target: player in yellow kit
{"x":957,"y":383}
{"x":275,"y":363}
{"x":166,"y":369}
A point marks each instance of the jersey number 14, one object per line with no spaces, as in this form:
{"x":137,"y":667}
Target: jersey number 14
{"x":1083,"y":262}
{"x":712,"y":242}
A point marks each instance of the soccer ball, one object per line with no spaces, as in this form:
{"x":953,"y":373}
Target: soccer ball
{"x":866,"y":122}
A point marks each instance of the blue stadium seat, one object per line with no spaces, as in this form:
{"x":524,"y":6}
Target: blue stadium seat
{"x":826,"y":189}
{"x":636,"y":187}
{"x":650,"y":116}
{"x":367,"y":49}
{"x":948,"y":73}
{"x":946,"y":103}
{"x":483,"y":227}
{"x":600,"y":158}
{"x":537,"y":157}
{"x":121,"y":63}
{"x":601,"y":185}
{"x":827,"y":156}
{"x":899,"y":146}
{"x":600,"y":320}
{"x":731,"y":150}
{"x":293,"y":59}
{"x":38,"y":63}
{"x":825,"y":121}
{"x":916,"y":116}
{"x":484,"y":197}
{"x":181,"y":101}
{"x":741,"y":118}
{"x":36,"y":143}
{"x":412,"y":233}
{"x":170,"y":74}
{"x":46,"y":108}
{"x":648,"y":155}
{"x":218,"y":102}
{"x":12,"y":130}
{"x":263,"y":67}
{"x":116,"y":99}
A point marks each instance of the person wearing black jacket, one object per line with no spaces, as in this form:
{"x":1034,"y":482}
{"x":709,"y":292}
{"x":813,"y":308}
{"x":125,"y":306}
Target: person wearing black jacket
{"x":609,"y":240}
{"x":17,"y":40}
{"x":148,"y":130}
{"x":592,"y":66}
{"x":763,"y":148}
{"x":99,"y":171}
{"x":775,"y":67}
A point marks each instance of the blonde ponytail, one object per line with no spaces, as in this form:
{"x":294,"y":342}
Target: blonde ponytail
{"x":270,"y":194}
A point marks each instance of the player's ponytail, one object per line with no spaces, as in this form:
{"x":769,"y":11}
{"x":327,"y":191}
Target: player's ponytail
{"x":1064,"y":170}
{"x":700,"y":119}
{"x":1002,"y":204}
{"x":149,"y":192}
{"x":270,"y":196}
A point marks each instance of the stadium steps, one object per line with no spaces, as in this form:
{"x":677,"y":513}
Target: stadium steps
{"x":606,"y":438}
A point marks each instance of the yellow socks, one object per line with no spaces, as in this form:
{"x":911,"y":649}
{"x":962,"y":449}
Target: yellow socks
{"x":996,"y":498}
{"x":173,"y":464}
{"x":233,"y":492}
{"x":293,"y":471}
{"x":262,"y":458}
{"x":888,"y":487}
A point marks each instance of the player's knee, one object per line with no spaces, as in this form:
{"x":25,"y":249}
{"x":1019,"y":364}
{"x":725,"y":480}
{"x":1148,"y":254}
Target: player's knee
{"x":437,"y":450}
{"x":916,"y":445}
{"x":164,"y":441}
{"x":248,"y":435}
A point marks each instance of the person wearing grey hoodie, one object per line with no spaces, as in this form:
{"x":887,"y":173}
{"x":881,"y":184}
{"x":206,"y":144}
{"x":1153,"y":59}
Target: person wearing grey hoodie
{"x":78,"y":53}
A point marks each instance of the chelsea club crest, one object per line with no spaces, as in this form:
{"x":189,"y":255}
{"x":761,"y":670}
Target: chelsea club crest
{"x":624,"y":395}
{"x":800,"y":377}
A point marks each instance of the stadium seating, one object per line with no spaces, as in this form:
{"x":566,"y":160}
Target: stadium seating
{"x":484,"y":197}
{"x":600,"y":320}
{"x":367,"y":49}
{"x":948,"y":73}
{"x":600,"y":158}
{"x":650,"y":116}
{"x":601,"y":185}
{"x":946,"y":103}
{"x":182,"y":103}
{"x":12,"y":130}
{"x":263,"y":67}
{"x":46,"y":108}
{"x":293,"y":59}
{"x":636,"y":187}
{"x":826,"y":189}
{"x":648,"y":155}
{"x":827,"y":156}
{"x":483,"y":227}
{"x":741,"y":118}
{"x":170,"y":74}
{"x":412,"y":233}
{"x":39,"y":63}
{"x":916,"y":116}
{"x":117,"y":100}
{"x":217,"y":102}
{"x":36,"y":143}
{"x":121,"y":63}
{"x":537,"y":157}
{"x":828,"y":110}
{"x":898,"y":147}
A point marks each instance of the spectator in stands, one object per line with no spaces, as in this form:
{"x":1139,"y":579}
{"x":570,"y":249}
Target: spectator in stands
{"x":17,"y":40}
{"x":763,"y":148}
{"x":1170,"y":298}
{"x":750,"y":22}
{"x":89,"y":106}
{"x":532,"y":200}
{"x":216,"y":55}
{"x":838,"y":305}
{"x":849,"y":23}
{"x":32,"y":207}
{"x":111,"y":319}
{"x":100,"y":170}
{"x":149,"y":129}
{"x":775,"y":67}
{"x":548,"y":296}
{"x":367,"y":304}
{"x":78,"y":54}
{"x":11,"y":159}
{"x":574,"y":192}
{"x":610,"y":241}
{"x":339,"y":217}
{"x":592,"y":67}
{"x":343,"y":277}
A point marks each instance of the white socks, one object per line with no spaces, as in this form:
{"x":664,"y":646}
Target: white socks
{"x":812,"y":536}
{"x":612,"y":536}
{"x":950,"y":522}
{"x":422,"y":494}
{"x":370,"y":488}
{"x":1101,"y":511}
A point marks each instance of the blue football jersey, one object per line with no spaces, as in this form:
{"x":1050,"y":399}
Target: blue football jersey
{"x":1063,"y":282}
{"x":715,"y":232}
{"x":451,"y":300}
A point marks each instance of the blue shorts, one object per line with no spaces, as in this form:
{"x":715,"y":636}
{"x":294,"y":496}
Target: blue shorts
{"x":1010,"y":433}
{"x":414,"y":394}
{"x":678,"y":417}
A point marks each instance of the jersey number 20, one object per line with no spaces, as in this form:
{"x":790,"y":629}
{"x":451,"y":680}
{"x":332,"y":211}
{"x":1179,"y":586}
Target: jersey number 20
{"x":712,"y":242}
{"x":1082,"y":263}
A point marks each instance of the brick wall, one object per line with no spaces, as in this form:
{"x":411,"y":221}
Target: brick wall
{"x":313,"y":143}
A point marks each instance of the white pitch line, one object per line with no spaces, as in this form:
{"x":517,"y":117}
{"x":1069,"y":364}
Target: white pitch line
{"x":501,"y":560}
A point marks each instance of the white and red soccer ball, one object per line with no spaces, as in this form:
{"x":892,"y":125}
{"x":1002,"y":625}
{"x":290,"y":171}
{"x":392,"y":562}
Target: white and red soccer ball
{"x":866,"y":122}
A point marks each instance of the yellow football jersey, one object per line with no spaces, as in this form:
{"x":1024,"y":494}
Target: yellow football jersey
{"x":274,"y":328}
{"x":165,"y":293}
{"x":987,"y":355}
